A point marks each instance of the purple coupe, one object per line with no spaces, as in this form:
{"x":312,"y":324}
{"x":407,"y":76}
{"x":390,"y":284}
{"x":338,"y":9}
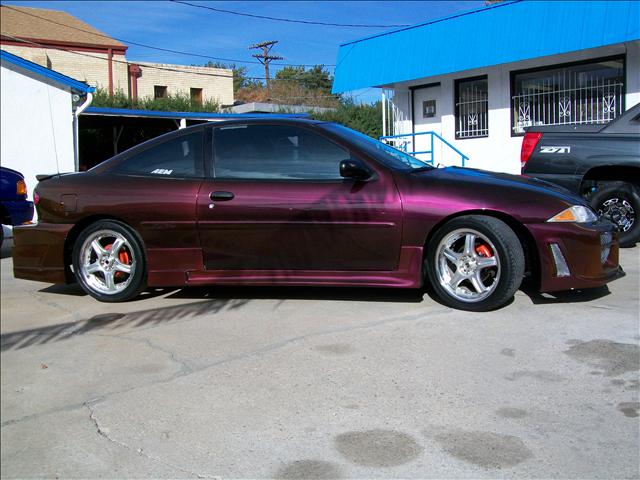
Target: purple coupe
{"x":297,"y":202}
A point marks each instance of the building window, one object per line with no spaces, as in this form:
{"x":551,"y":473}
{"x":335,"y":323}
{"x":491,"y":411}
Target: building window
{"x":159,"y":91}
{"x":196,"y":96}
{"x":472,"y":106}
{"x":582,"y":93}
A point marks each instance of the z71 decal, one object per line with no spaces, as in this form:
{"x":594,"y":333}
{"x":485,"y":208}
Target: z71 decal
{"x":555,"y":149}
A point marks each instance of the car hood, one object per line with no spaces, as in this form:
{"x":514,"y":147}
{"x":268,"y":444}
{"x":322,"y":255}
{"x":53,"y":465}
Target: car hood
{"x":445,"y":191}
{"x":480,"y":179}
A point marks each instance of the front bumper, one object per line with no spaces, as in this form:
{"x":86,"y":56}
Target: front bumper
{"x":38,"y":252}
{"x":574,"y":256}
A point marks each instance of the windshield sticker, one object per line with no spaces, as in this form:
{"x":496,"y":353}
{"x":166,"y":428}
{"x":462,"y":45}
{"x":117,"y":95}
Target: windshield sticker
{"x":162,"y":171}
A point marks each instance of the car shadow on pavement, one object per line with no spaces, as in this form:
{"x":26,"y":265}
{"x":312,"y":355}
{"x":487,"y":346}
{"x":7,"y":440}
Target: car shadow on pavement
{"x":75,"y":290}
{"x":6,"y":248}
{"x":357,"y":294}
{"x":568,"y":296}
{"x":226,"y":299}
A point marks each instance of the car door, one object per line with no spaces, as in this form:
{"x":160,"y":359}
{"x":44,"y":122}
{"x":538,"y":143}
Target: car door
{"x":276,"y":201}
{"x":154,"y":190}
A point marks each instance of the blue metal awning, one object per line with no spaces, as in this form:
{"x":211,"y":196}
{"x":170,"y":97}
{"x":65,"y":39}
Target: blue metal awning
{"x":127,"y":112}
{"x":492,"y":35}
{"x":71,"y":83}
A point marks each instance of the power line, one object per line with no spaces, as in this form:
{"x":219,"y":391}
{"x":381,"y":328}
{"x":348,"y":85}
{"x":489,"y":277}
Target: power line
{"x":265,"y":58}
{"x":167,"y":50}
{"x":266,"y":17}
{"x":156,"y":67}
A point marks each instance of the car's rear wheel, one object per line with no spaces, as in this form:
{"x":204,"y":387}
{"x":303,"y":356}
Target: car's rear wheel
{"x":620,"y":203}
{"x":108,"y":261}
{"x":475,"y":263}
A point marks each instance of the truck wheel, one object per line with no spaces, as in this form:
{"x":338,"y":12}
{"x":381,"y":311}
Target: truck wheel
{"x":620,"y":204}
{"x":475,"y":263}
{"x":109,"y":262}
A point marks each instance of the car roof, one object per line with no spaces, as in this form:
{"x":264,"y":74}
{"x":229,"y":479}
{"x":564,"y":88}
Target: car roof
{"x":274,"y":119}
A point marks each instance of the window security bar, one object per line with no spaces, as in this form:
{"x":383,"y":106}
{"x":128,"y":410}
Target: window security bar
{"x":598,"y":102}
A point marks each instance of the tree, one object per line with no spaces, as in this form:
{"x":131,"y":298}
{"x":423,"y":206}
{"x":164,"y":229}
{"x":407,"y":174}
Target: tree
{"x":365,"y":118}
{"x":316,"y":78}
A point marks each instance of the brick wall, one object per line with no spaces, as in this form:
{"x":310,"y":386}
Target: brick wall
{"x":216,"y":83}
{"x":94,"y":71}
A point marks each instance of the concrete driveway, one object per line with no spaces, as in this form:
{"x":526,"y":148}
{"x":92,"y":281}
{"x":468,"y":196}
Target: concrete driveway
{"x":319,"y":383}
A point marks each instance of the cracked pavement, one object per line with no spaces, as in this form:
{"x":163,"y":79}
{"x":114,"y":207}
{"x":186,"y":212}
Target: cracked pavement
{"x":318,"y":383}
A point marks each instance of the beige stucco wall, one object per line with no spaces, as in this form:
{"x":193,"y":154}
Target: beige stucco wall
{"x":216,"y":83}
{"x":88,"y":67}
{"x":92,"y":68}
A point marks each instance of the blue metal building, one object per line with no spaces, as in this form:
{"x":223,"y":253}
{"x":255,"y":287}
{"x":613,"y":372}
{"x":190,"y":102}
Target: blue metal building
{"x":479,"y":78}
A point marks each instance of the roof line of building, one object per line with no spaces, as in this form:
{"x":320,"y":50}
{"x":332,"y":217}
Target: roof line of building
{"x":430,"y":22}
{"x":129,"y":112}
{"x":72,"y":83}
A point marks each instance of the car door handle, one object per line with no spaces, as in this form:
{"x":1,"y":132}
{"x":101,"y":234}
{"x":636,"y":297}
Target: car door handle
{"x":221,"y":196}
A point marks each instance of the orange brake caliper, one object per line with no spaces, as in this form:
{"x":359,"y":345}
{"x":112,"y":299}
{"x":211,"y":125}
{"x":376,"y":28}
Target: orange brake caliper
{"x":483,"y":250}
{"x":122,"y":256}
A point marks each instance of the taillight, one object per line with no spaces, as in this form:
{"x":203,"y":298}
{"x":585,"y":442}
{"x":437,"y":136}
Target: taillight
{"x":529,"y":143}
{"x":21,"y":187}
{"x":36,"y":198}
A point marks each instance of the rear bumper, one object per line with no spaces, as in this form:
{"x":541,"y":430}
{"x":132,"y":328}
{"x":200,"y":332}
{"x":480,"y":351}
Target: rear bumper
{"x":38,"y":252}
{"x":586,"y":255}
{"x":20,"y":211}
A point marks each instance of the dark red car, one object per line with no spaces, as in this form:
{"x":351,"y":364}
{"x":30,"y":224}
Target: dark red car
{"x":294,"y":202}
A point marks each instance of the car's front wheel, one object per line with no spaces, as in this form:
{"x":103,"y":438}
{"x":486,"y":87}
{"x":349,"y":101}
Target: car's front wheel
{"x":475,"y":263}
{"x":108,"y":261}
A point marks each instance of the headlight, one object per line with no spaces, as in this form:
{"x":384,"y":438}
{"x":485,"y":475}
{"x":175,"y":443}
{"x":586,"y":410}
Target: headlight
{"x":577,"y":214}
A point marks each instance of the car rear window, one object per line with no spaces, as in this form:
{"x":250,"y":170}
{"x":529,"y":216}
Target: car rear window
{"x":180,"y":157}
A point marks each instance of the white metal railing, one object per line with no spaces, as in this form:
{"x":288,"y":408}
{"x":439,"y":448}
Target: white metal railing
{"x":597,"y":101}
{"x":392,"y":115}
{"x":405,"y":141}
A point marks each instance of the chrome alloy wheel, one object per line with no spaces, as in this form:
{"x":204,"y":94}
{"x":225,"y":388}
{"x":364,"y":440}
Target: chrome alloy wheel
{"x":107,"y":262}
{"x":619,"y":211}
{"x":467,"y":266}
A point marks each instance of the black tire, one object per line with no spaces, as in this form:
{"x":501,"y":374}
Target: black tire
{"x":507,"y":275}
{"x":132,"y":284}
{"x":620,"y":203}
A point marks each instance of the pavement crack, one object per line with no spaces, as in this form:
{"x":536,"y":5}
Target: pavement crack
{"x":185,"y":368}
{"x":38,"y":298}
{"x":104,"y":433}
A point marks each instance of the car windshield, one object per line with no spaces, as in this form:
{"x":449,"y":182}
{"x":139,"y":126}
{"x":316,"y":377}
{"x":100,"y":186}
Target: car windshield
{"x":389,"y":156}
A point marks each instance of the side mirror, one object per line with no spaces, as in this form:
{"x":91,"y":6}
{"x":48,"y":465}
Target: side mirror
{"x":354,"y":169}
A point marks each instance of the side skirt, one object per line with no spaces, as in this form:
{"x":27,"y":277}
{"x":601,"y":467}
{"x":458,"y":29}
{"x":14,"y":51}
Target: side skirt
{"x":408,"y":275}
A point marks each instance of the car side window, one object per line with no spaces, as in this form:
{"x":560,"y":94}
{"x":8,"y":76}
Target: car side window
{"x":259,"y":152}
{"x":179,"y":157}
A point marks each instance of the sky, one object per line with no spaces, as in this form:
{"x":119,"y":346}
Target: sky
{"x":186,"y":28}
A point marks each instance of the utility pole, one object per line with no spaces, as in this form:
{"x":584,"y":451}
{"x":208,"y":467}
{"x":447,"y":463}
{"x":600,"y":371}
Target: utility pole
{"x":264,"y":58}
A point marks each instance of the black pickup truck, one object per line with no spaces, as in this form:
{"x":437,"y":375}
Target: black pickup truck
{"x":599,"y":162}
